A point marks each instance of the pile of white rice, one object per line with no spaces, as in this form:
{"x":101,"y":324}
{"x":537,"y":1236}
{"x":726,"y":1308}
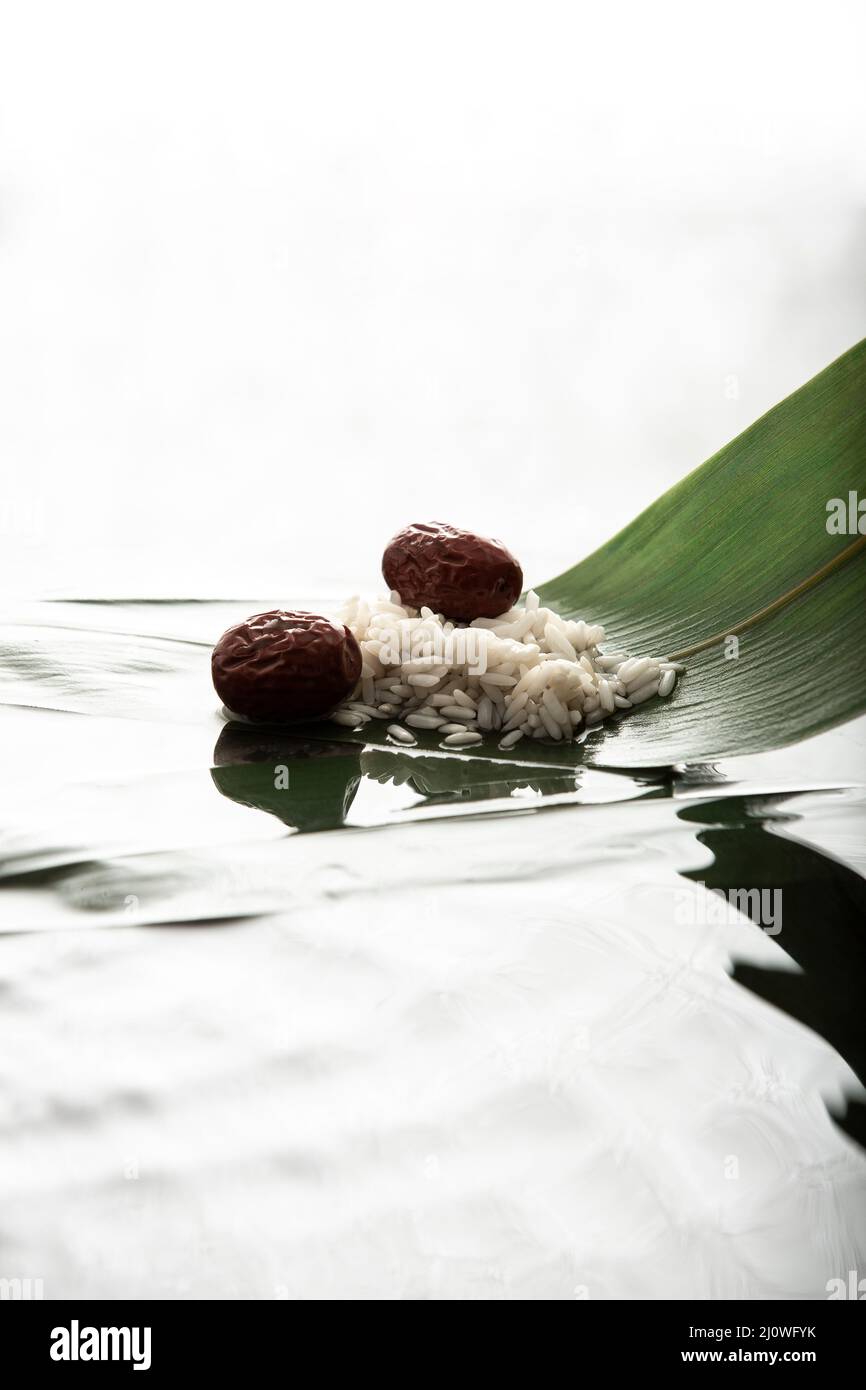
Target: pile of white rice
{"x":528,"y":673}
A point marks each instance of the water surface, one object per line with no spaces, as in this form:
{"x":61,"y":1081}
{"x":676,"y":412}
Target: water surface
{"x":423,"y":1027}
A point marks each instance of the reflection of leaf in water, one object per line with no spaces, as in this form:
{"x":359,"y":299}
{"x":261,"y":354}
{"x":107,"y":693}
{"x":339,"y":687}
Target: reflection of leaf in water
{"x":823,"y":921}
{"x":307,"y":785}
{"x":441,"y":780}
{"x":321,"y":779}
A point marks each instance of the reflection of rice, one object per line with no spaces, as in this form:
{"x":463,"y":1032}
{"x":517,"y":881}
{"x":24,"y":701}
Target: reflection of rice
{"x":527,"y":672}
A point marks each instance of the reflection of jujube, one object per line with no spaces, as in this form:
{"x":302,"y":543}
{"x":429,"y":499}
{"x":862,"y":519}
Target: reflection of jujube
{"x":283,"y":665}
{"x":454,"y":572}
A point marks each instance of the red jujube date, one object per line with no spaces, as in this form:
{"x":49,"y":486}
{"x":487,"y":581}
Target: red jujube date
{"x":283,"y":666}
{"x":454,"y":572}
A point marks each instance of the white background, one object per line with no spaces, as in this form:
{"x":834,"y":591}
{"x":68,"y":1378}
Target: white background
{"x":279,"y":278}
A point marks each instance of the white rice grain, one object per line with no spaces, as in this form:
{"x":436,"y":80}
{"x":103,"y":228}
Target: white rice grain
{"x":605,"y":695}
{"x":644,"y":692}
{"x":550,"y":723}
{"x":458,"y":712}
{"x":423,"y":721}
{"x":349,"y":719}
{"x":461,"y":698}
{"x":510,"y":739}
{"x":400,"y":734}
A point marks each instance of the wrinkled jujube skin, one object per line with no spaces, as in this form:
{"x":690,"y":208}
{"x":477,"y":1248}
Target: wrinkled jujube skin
{"x":283,"y":666}
{"x":454,"y":572}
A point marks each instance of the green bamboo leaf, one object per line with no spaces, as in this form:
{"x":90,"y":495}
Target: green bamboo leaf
{"x":743,"y":546}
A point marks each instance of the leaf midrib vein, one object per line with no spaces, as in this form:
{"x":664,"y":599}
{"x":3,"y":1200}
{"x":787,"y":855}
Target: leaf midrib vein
{"x":798,"y":590}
